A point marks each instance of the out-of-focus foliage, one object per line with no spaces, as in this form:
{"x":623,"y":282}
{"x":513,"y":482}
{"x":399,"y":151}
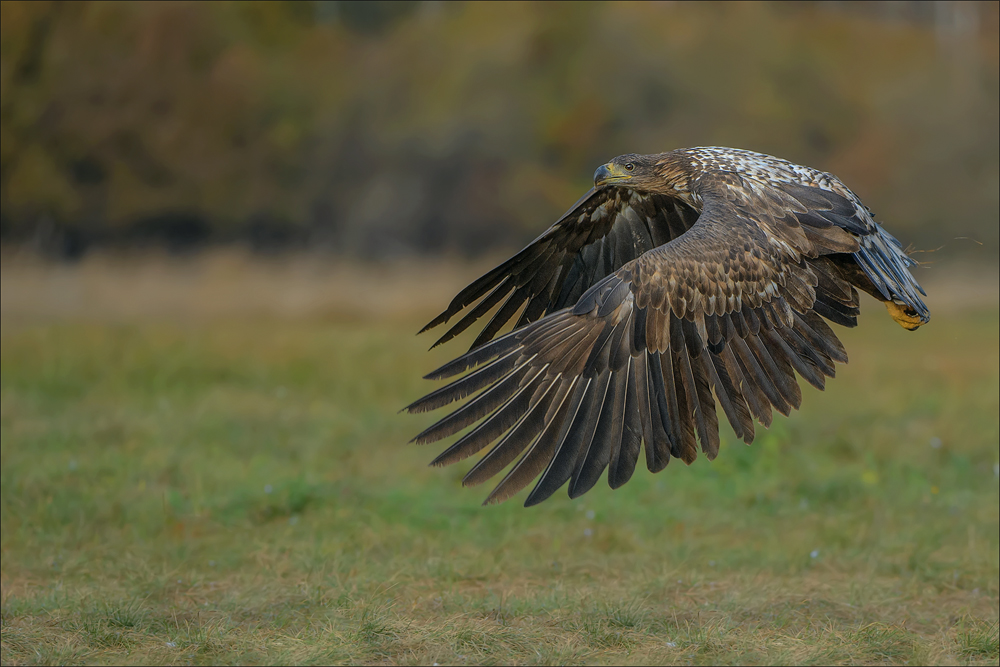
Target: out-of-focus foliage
{"x":387,"y":128}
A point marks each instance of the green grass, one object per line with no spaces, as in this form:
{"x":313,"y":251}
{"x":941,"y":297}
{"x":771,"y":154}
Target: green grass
{"x":244,"y":493}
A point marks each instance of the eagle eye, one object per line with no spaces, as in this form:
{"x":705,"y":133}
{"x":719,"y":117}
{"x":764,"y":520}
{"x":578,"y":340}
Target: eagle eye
{"x":629,"y":166}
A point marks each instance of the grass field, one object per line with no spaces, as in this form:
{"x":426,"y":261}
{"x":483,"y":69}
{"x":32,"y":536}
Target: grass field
{"x":238,"y":489}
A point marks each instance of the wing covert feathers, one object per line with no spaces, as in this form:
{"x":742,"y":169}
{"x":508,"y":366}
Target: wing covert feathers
{"x":638,"y":313}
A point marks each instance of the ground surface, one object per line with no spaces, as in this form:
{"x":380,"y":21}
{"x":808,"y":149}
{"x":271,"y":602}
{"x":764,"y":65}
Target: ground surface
{"x":180,"y":487}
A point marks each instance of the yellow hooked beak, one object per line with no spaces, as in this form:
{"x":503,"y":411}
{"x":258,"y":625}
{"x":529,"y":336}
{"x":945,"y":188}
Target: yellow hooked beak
{"x":610,"y":174}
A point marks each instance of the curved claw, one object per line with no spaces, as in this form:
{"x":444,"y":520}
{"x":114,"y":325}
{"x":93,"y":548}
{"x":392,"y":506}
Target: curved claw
{"x":905,"y":316}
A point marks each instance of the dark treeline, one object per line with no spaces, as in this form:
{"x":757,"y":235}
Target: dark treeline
{"x":381,"y":129}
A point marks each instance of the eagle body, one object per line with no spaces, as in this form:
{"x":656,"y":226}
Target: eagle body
{"x":682,"y":281}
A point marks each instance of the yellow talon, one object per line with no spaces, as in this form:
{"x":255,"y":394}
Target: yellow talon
{"x":905,"y":316}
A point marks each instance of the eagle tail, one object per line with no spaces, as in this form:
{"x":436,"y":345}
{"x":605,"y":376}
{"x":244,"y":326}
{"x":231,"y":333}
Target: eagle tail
{"x":885,"y":263}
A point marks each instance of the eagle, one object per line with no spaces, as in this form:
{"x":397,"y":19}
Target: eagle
{"x":681,"y":281}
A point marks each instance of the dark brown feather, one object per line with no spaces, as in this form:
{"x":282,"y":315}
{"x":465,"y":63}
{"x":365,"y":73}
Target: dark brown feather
{"x":625,"y":456}
{"x":540,"y":453}
{"x":607,"y":438}
{"x":517,"y":438}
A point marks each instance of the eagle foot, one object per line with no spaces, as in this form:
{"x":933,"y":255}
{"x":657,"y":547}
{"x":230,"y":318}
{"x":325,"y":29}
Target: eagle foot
{"x":905,"y":316}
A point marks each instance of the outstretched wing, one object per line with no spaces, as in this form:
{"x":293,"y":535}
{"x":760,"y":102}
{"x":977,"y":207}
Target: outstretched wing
{"x":607,"y":228}
{"x":725,"y":312}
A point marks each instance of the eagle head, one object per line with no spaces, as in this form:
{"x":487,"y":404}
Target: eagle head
{"x":636,"y":172}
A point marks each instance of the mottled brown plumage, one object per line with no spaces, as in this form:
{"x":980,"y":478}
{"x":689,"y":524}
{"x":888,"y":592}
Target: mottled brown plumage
{"x":682,"y":279}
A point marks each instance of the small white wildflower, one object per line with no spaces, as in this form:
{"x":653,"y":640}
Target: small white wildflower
{"x":72,"y":464}
{"x":814,"y":553}
{"x":587,"y":532}
{"x":591,"y":514}
{"x":268,"y":488}
{"x":711,"y":563}
{"x":935,"y":443}
{"x":671,"y":644}
{"x":171,"y":644}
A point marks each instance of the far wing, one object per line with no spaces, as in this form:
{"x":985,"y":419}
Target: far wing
{"x":607,"y":228}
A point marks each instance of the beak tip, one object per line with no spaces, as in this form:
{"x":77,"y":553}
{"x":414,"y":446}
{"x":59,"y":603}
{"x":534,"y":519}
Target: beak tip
{"x":601,"y":175}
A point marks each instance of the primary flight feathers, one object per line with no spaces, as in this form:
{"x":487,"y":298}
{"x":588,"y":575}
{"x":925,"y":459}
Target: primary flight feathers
{"x":680,"y":280}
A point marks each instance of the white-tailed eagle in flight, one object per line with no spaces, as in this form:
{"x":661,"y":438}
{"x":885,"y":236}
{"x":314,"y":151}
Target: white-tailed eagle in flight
{"x":682,"y":280}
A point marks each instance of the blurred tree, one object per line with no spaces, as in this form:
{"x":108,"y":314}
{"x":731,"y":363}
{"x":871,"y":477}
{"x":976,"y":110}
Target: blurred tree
{"x":393,"y":127}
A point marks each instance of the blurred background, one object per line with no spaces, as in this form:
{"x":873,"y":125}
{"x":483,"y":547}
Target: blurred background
{"x":221,"y":223}
{"x":385,"y":130}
